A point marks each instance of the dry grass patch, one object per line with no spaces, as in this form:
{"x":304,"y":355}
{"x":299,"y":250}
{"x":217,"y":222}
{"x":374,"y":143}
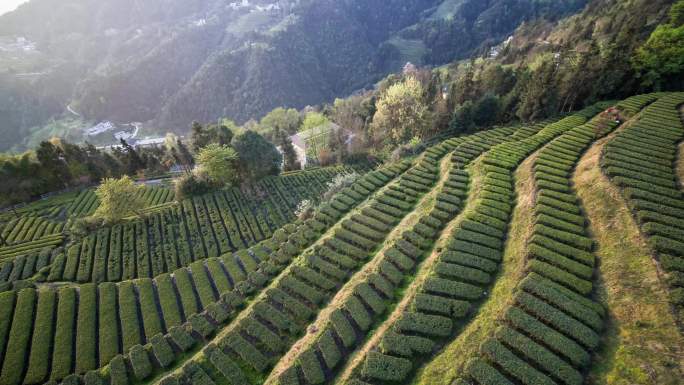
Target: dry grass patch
{"x":642,"y":344}
{"x":680,"y":165}
{"x":680,"y":157}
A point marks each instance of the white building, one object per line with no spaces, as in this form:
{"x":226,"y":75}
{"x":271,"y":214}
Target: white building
{"x":100,"y":128}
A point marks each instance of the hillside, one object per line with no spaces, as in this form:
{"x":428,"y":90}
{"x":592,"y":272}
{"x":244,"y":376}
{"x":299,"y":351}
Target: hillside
{"x":490,"y":258}
{"x":505,"y":209}
{"x":203,"y":60}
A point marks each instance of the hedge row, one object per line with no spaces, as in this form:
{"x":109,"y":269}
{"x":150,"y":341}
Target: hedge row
{"x":19,"y":338}
{"x":27,"y":228}
{"x":635,"y":104}
{"x":9,"y":253}
{"x":85,"y":204}
{"x":33,"y":266}
{"x":464,"y":269}
{"x":281,"y":315}
{"x":206,"y":294}
{"x":368,"y":300}
{"x":198,"y":228}
{"x":547,"y":335}
{"x":640,"y":160}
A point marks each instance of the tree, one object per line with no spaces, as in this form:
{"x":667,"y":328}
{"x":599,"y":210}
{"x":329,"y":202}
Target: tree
{"x":219,"y":163}
{"x":486,"y":111}
{"x":184,"y":156}
{"x":462,"y":120}
{"x":130,"y":159}
{"x":496,"y":79}
{"x":314,"y":120}
{"x":401,"y":112}
{"x":677,"y":14}
{"x":287,"y":120}
{"x":152,"y":158}
{"x":352,"y":115}
{"x":190,"y":184}
{"x":464,"y":89}
{"x":177,"y":153}
{"x":118,"y":199}
{"x":291,"y":161}
{"x":660,"y":61}
{"x":197,"y":134}
{"x":348,"y":114}
{"x":337,"y":144}
{"x":538,"y":92}
{"x":203,"y":136}
{"x":51,"y":160}
{"x":258,"y":157}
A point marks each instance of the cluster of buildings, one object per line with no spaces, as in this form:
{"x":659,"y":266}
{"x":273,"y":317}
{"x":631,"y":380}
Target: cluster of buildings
{"x":256,"y":7}
{"x":127,"y":132}
{"x":17,"y":44}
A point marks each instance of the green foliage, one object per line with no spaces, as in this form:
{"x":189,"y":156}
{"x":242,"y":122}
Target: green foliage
{"x":568,"y":348}
{"x":19,"y":338}
{"x":220,"y":135}
{"x":290,"y":157}
{"x":518,"y":368}
{"x":314,"y":120}
{"x":401,"y":112}
{"x":287,"y":120}
{"x":426,"y":324}
{"x":140,"y":362}
{"x":677,"y":14}
{"x":182,"y":338}
{"x":108,"y":336}
{"x":258,"y":157}
{"x":189,"y":185}
{"x":64,"y":334}
{"x":386,"y":368}
{"x":226,"y":366}
{"x":661,"y":59}
{"x":117,"y":371}
{"x":118,"y":199}
{"x":481,"y":113}
{"x":219,"y":163}
{"x":86,"y":329}
{"x":311,"y":367}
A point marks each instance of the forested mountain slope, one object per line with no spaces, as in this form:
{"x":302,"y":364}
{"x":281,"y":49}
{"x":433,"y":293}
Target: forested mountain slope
{"x":171,"y":62}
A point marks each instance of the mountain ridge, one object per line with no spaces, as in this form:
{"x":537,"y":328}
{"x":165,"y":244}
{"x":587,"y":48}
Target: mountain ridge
{"x":169,"y":64}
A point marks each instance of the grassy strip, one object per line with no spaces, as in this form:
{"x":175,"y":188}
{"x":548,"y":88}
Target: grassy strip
{"x":642,"y":344}
{"x":680,"y":163}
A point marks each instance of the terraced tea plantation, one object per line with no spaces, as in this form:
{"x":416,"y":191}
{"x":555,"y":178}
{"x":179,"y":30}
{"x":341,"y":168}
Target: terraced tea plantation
{"x":171,"y":235}
{"x":479,"y":261}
